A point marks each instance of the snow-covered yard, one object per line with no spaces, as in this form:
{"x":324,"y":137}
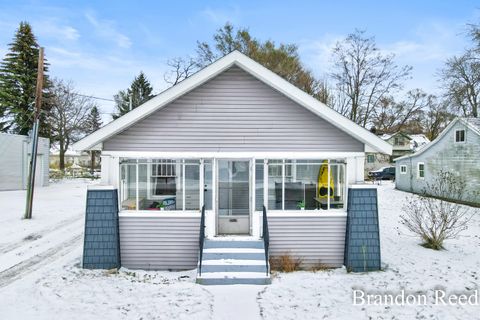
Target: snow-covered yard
{"x":40,"y":277}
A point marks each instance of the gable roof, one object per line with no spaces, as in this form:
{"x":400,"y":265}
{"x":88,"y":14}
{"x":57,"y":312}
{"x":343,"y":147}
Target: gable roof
{"x":472,"y":123}
{"x":255,"y":69}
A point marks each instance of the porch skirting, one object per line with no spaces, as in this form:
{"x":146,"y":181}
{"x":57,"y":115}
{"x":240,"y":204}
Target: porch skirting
{"x":169,"y":241}
{"x":315,"y":239}
{"x":159,"y":242}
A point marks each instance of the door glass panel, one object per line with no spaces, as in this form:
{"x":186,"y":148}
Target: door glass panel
{"x":233,"y":188}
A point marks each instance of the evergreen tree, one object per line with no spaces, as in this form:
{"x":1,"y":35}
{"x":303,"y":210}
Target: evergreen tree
{"x":94,"y":122}
{"x":18,"y":78}
{"x":140,"y":91}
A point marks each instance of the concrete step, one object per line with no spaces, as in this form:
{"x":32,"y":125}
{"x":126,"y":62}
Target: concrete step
{"x":233,"y":253}
{"x":227,"y":278}
{"x":254,"y":244}
{"x":231,"y":265}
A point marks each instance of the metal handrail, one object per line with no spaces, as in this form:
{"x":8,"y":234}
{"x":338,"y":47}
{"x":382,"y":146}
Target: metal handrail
{"x":266,"y":237}
{"x":201,"y":240}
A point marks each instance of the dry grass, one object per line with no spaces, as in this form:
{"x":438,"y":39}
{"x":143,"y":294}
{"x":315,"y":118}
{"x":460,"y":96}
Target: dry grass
{"x":285,"y":263}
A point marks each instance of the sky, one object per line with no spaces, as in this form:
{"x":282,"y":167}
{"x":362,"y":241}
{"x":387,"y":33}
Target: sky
{"x":102,"y":45}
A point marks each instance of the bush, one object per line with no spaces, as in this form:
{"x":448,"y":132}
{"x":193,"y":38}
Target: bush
{"x":56,"y":174}
{"x":433,"y":218}
{"x":285,"y":263}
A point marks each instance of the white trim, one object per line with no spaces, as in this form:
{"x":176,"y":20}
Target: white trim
{"x":455,"y":136}
{"x":100,"y":187}
{"x":418,"y":170}
{"x":405,"y":167}
{"x":440,"y":137}
{"x":308,"y":213}
{"x":158,"y":213}
{"x":231,"y":155}
{"x":256,"y":70}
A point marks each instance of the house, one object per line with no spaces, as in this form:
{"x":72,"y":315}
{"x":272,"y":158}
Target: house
{"x":82,"y":159}
{"x":258,"y":154}
{"x":402,"y":144}
{"x":15,"y":151}
{"x":456,"y":149}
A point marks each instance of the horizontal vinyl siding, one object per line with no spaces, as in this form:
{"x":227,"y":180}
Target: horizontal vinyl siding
{"x":159,"y":243}
{"x":314,"y":240}
{"x":233,"y":112}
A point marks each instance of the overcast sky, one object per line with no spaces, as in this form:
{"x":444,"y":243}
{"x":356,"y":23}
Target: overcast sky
{"x":102,"y":45}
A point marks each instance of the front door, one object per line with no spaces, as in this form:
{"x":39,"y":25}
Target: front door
{"x":233,"y":196}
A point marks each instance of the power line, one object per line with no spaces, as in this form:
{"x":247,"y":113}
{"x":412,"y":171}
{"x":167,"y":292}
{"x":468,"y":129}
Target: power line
{"x":93,"y":97}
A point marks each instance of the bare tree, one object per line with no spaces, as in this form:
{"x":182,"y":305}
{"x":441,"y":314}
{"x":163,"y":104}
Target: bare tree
{"x":180,"y":69}
{"x":436,"y":116}
{"x":391,"y":116}
{"x":461,"y":78}
{"x":364,"y":76}
{"x":433,"y":218}
{"x":68,"y":116}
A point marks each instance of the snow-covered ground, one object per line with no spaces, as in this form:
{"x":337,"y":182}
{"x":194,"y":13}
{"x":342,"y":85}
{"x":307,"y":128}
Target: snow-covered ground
{"x":408,"y":266}
{"x":40,"y":277}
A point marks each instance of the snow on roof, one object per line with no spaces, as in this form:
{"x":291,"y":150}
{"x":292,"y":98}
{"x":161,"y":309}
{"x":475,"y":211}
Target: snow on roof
{"x":54,"y":150}
{"x":474,"y":122}
{"x":418,"y":141}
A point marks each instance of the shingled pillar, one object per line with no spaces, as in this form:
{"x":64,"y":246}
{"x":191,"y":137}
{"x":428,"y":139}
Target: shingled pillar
{"x":362,"y":239}
{"x":101,"y":249}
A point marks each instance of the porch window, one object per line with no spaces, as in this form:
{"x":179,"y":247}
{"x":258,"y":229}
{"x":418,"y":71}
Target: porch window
{"x":160,"y":184}
{"x":306,"y":184}
{"x":163,"y":178}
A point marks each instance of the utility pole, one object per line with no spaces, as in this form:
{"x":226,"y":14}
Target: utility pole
{"x":130,"y":102}
{"x":34,"y":137}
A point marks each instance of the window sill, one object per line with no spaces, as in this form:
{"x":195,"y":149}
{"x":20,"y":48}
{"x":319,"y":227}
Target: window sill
{"x":306,"y":213}
{"x":158,"y":213}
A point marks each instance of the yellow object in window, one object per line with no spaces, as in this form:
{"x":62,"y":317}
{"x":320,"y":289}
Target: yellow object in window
{"x":322,"y":191}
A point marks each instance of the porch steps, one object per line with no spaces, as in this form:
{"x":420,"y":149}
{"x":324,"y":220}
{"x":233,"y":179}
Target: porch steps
{"x":237,"y":261}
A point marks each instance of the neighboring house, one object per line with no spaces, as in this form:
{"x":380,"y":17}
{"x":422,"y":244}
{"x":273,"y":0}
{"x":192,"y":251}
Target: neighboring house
{"x":233,"y":138}
{"x":456,"y":149}
{"x":15,"y":151}
{"x":402,"y":144}
{"x":82,"y":158}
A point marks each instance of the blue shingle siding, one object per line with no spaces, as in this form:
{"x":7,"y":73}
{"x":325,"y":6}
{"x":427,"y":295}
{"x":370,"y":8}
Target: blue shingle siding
{"x":101,"y":249}
{"x":362,"y":239}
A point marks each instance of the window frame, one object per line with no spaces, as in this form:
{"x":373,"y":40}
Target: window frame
{"x":464,"y":136}
{"x":151,"y":186}
{"x":340,"y":163}
{"x":403,"y":166}
{"x":418,"y":170}
{"x":370,"y":156}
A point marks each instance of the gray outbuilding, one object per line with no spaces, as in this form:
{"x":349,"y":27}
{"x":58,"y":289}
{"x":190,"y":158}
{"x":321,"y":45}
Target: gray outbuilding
{"x":15,"y":151}
{"x":456,"y":150}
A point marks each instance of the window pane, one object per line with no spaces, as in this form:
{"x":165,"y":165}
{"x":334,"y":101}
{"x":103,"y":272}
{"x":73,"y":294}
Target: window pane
{"x":337,"y":200}
{"x":274,"y":185}
{"x":294,"y":189}
{"x":160,"y":185}
{"x":192,"y":187}
{"x":259,"y":185}
{"x":128,"y":186}
{"x":207,"y":191}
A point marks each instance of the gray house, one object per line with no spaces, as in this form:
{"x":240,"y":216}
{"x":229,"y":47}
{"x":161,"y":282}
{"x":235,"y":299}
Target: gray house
{"x":15,"y":153}
{"x":456,"y":149}
{"x":238,"y":141}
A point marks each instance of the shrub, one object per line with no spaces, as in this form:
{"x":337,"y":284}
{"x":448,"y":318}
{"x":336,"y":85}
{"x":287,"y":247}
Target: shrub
{"x":285,"y":263}
{"x":433,"y":218}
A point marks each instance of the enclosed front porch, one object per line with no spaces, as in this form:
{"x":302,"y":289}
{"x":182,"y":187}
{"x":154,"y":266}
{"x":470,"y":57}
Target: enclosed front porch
{"x":233,"y":191}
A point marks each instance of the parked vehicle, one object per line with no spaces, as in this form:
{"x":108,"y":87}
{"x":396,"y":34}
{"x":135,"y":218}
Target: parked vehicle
{"x":385,"y":173}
